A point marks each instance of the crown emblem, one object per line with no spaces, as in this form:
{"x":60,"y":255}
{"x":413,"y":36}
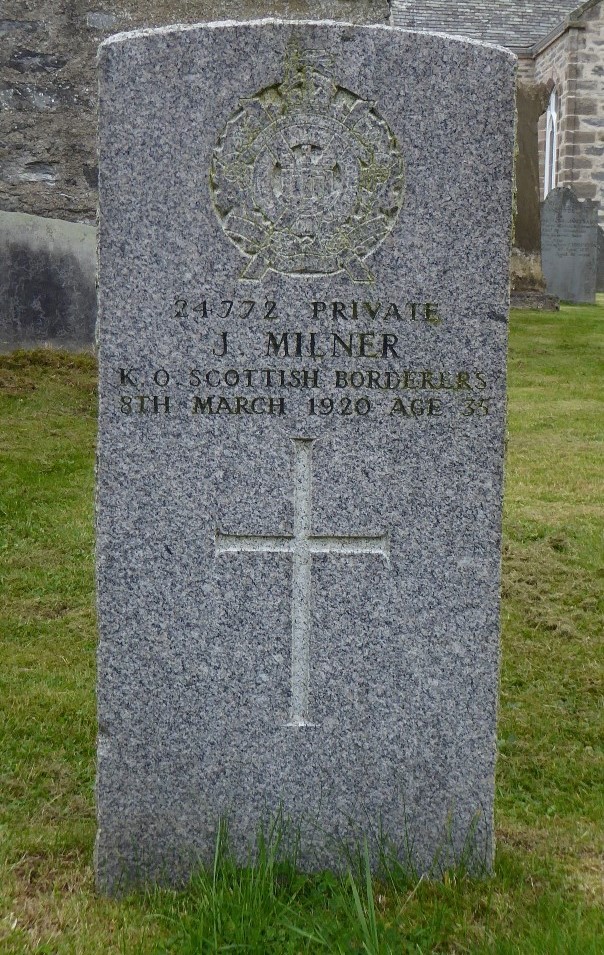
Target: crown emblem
{"x":307,"y":177}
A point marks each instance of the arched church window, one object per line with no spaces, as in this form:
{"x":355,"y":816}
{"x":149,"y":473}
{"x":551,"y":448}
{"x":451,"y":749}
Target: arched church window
{"x":551,"y":143}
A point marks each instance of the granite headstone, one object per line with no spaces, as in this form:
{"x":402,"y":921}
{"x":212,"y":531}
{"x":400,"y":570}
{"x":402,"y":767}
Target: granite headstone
{"x":569,"y":245}
{"x":304,"y":241}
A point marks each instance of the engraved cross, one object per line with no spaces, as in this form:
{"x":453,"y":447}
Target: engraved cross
{"x":302,"y":544}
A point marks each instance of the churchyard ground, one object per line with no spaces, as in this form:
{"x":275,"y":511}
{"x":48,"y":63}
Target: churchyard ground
{"x":546,"y":895}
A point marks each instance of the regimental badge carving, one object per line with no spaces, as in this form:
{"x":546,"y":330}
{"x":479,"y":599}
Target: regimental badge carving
{"x":307,"y":177}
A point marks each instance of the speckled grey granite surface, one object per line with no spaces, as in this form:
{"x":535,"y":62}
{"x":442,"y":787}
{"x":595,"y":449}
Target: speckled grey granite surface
{"x":299,"y":540}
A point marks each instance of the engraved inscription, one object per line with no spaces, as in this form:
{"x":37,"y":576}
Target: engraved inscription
{"x":305,"y":393}
{"x":281,"y":371}
{"x":302,"y":544}
{"x":307,"y":177}
{"x":319,"y":311}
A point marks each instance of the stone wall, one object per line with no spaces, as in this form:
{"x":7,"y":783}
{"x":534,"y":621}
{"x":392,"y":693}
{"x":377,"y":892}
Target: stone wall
{"x":526,"y":70}
{"x":48,"y":85}
{"x":575,"y":64}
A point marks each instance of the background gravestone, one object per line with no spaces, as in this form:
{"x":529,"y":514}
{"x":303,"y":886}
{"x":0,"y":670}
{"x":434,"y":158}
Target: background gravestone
{"x":600,"y":266}
{"x":569,"y":240}
{"x":302,"y":399}
{"x":47,"y":283}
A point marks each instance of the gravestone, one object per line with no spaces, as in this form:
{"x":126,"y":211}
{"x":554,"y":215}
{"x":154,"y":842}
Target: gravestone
{"x":304,"y":239}
{"x":569,"y":245}
{"x":47,"y":283}
{"x":600,"y":265}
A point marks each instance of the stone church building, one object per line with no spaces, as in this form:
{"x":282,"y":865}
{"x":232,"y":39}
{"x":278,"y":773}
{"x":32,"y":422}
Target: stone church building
{"x":48,"y":107}
{"x":560,"y":48}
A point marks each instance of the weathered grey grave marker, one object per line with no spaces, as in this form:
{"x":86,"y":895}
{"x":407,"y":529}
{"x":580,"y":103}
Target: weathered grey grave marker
{"x":569,"y":241}
{"x":303,"y":302}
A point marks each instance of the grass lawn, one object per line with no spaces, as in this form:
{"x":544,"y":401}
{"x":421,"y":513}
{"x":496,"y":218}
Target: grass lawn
{"x":547,"y":893}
